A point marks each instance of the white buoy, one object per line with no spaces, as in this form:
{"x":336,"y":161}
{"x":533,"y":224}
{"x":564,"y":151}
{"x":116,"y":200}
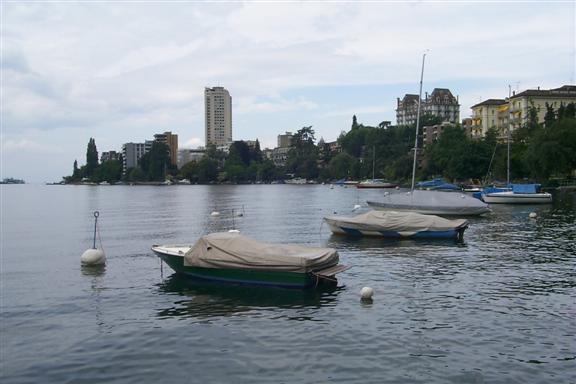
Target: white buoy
{"x":215,"y":213}
{"x":93,"y":256}
{"x":234,"y":231}
{"x":533,"y":215}
{"x":357,"y":206}
{"x":366,"y":293}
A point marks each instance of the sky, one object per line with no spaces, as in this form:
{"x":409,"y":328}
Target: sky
{"x":121,"y":71}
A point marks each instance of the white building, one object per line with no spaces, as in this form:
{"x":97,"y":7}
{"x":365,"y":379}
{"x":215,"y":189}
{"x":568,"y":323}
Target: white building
{"x":218,"y":115}
{"x":187,"y":155}
{"x":132,"y":152}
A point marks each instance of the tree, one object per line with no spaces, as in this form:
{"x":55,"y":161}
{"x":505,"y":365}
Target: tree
{"x":550,"y":116}
{"x":342,"y":166}
{"x":303,"y":156}
{"x":354,"y":122}
{"x":156,"y":162}
{"x":91,"y":157}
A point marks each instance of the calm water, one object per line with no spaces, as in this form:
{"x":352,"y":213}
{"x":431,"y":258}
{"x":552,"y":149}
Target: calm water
{"x":498,"y":308}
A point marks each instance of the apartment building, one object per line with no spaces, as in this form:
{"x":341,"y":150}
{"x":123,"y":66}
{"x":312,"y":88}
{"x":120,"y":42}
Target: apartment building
{"x":171,"y":140}
{"x":440,"y":103}
{"x":132,"y":152}
{"x":520,"y":103}
{"x":513,"y":112}
{"x":491,"y":113}
{"x":218,"y":116}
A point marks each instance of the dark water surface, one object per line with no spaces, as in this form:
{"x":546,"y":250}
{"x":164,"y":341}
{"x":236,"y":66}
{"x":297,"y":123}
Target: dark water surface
{"x":497,"y":308}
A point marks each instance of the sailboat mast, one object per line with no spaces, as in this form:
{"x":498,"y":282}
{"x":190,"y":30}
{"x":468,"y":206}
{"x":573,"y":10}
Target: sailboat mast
{"x":373,"y":160}
{"x":508,"y":140}
{"x":417,"y":124}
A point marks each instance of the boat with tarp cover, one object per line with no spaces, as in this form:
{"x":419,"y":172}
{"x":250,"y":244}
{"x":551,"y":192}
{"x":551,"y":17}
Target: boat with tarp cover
{"x":234,"y":258}
{"x":398,"y":225}
{"x":431,"y":203}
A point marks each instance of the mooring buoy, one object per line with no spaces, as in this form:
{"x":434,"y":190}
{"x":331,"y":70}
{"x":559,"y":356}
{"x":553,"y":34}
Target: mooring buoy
{"x":94,"y":256}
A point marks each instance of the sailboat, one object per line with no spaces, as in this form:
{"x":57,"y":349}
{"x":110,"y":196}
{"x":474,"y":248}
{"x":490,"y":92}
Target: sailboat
{"x":375,"y":183}
{"x":515,"y":193}
{"x":429,"y":202}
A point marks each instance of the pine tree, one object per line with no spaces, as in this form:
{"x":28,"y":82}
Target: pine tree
{"x":91,"y":157}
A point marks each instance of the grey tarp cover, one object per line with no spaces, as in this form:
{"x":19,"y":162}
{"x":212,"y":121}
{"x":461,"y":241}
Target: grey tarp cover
{"x":233,"y":251}
{"x":406,"y":223}
{"x":431,"y":202}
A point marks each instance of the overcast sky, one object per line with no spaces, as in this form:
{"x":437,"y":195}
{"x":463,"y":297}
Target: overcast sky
{"x":122,"y":71}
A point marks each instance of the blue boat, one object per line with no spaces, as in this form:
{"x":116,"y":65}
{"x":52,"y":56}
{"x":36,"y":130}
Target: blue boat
{"x":398,"y":225}
{"x":438,"y":184}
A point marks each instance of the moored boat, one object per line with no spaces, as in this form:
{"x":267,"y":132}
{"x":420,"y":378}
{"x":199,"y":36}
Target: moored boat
{"x":403,"y":225}
{"x":231,"y":257}
{"x":375,"y":183}
{"x":518,"y":194}
{"x":431,"y":203}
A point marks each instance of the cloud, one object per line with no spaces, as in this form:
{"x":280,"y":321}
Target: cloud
{"x":147,"y":57}
{"x":191,"y":143}
{"x":28,"y":146}
{"x":246,"y":105}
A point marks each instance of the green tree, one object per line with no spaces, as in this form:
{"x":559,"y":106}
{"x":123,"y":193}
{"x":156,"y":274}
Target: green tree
{"x":91,"y":158}
{"x":550,"y":116}
{"x":156,"y":162}
{"x":342,"y":166}
{"x":303,"y":156}
{"x":207,"y":170}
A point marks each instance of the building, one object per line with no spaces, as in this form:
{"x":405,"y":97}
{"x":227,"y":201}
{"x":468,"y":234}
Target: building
{"x":110,"y":155}
{"x":440,"y":103}
{"x":280,"y":155}
{"x":513,"y":112}
{"x":218,"y":115}
{"x":171,"y":140}
{"x":187,"y":155}
{"x":491,"y":113}
{"x":520,"y":103}
{"x":285,"y":140}
{"x":431,"y":133}
{"x":406,"y":109}
{"x":132,"y":152}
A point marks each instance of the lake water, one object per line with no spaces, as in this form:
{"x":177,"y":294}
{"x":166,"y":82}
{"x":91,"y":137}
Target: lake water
{"x":497,"y":308}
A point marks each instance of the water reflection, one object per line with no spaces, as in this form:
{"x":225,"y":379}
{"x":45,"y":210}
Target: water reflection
{"x":93,"y":270}
{"x":200,"y":299}
{"x":359,"y":243}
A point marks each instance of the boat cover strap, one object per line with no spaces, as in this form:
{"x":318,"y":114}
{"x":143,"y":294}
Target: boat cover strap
{"x":331,"y":271}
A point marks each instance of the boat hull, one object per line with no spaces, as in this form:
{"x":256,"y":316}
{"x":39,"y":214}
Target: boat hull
{"x":517,"y":198}
{"x":243,"y":276}
{"x":354,"y":231}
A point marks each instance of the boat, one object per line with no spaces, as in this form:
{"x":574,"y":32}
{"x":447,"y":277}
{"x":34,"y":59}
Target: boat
{"x":11,"y":180}
{"x":375,"y":183}
{"x":432,"y":202}
{"x":438,"y":185}
{"x":233,"y":258}
{"x":296,"y":180}
{"x":399,"y":225}
{"x":517,"y":194}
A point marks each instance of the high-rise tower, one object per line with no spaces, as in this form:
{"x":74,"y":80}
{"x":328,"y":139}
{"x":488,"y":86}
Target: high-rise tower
{"x":218,"y":109}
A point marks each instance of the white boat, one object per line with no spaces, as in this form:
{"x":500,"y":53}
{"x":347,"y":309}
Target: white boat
{"x":404,"y":225}
{"x":375,"y":183}
{"x":431,"y":203}
{"x":518,"y":194}
{"x":296,"y":180}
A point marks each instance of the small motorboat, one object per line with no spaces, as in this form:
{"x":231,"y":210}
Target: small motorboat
{"x":408,"y":225}
{"x":231,"y":257}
